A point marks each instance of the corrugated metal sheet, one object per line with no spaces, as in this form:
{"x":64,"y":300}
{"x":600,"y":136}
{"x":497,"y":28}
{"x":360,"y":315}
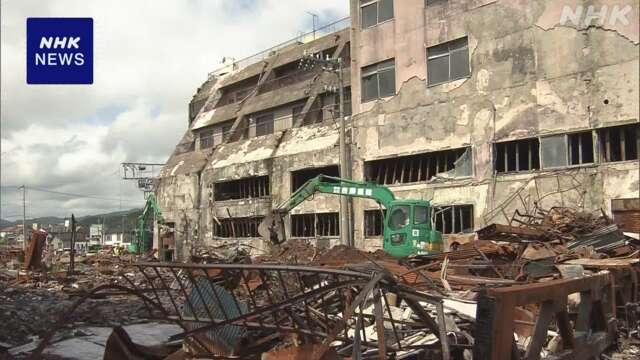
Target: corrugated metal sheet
{"x":226,"y":337}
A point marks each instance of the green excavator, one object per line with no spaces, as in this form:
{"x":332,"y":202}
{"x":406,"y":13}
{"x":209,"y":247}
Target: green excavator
{"x":407,"y":223}
{"x":143,"y":242}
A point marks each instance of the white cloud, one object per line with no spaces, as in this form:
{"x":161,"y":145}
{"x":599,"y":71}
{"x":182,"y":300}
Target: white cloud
{"x":149,"y":59}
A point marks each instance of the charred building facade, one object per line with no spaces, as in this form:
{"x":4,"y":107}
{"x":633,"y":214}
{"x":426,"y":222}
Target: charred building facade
{"x":482,"y":107}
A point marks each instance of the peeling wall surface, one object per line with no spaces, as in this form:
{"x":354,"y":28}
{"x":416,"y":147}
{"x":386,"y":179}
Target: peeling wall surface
{"x":536,"y":69}
{"x":530,"y":75}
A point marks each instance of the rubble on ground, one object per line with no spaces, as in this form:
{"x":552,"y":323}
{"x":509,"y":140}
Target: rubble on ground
{"x":552,"y":282}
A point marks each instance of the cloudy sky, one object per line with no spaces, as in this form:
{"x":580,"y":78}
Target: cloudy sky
{"x":150,"y":56}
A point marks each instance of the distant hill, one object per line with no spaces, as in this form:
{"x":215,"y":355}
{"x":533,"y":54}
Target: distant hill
{"x":113,"y":221}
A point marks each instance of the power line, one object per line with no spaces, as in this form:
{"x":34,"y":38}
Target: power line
{"x":79,"y":195}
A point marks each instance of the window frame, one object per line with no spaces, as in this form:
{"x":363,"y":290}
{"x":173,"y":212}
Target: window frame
{"x":375,"y":69}
{"x":605,"y":150}
{"x":567,"y":150}
{"x":366,"y":3}
{"x":438,"y":211}
{"x":448,"y":55}
{"x":262,"y":121}
{"x":516,"y":171}
{"x":207,"y":140}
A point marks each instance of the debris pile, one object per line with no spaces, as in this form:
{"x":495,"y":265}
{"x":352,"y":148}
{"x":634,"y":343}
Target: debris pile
{"x":556,"y":283}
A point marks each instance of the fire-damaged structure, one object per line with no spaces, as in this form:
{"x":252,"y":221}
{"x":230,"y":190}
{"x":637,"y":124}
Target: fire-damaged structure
{"x":481,"y":107}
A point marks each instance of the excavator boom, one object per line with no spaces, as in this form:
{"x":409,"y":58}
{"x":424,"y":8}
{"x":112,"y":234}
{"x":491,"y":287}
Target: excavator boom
{"x":272,"y":227}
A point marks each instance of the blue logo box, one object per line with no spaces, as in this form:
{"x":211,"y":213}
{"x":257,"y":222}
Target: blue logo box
{"x":59,"y":51}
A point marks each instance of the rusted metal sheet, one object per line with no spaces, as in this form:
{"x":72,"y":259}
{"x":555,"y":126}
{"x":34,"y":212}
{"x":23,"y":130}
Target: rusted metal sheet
{"x":509,"y":233}
{"x":628,"y":220}
{"x":33,"y":260}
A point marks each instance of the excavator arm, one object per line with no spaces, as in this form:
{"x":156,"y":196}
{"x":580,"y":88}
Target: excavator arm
{"x":272,"y":227}
{"x":337,"y":186}
{"x":150,"y":207}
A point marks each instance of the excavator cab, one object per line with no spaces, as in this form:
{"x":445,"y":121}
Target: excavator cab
{"x":407,"y":229}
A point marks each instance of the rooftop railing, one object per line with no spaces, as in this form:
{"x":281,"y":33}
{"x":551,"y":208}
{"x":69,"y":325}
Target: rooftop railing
{"x":300,"y":39}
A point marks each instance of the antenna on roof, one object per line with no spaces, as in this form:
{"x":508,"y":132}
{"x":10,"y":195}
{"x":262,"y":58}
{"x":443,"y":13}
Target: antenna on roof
{"x":314,"y":19}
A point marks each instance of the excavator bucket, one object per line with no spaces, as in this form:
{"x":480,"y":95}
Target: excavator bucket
{"x":272,"y":228}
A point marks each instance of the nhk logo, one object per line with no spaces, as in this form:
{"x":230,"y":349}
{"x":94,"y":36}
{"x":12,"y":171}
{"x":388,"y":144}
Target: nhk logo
{"x":59,"y":51}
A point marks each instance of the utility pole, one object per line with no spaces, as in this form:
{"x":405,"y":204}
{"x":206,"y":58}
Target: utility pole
{"x":72,"y":258}
{"x":24,"y":217}
{"x":335,"y":66}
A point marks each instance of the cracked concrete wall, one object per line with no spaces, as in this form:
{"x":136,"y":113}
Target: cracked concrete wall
{"x":530,"y":76}
{"x":275,"y":155}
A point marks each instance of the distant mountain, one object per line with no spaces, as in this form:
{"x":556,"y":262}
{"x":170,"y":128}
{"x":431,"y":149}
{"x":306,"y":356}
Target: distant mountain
{"x":113,"y":221}
{"x":40,"y":220}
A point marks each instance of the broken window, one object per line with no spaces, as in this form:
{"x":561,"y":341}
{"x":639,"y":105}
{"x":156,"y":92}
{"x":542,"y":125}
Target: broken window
{"x":315,"y":225}
{"x":264,"y":124}
{"x":619,"y":143}
{"x":206,"y":139}
{"x":373,"y":12}
{"x":374,"y":222}
{"x":241,"y":227}
{"x":420,"y":167}
{"x":453,"y":219}
{"x":567,"y":149}
{"x":448,"y":61}
{"x":581,"y":148}
{"x":554,"y":151}
{"x":518,"y":155}
{"x":299,"y":177}
{"x":242,"y":189}
{"x":378,"y":80}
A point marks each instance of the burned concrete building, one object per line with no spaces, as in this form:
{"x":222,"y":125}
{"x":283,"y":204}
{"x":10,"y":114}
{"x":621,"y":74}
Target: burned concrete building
{"x":482,"y":107}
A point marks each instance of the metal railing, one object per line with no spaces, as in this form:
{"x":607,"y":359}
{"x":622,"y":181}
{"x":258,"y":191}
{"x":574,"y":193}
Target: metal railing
{"x":300,"y":39}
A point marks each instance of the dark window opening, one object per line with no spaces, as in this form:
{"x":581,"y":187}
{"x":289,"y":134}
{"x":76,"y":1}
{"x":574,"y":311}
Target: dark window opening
{"x":264,"y":124}
{"x":242,"y":189}
{"x":378,"y":80}
{"x":448,"y":61}
{"x":374,"y":222}
{"x":453,"y":219}
{"x":206,"y":139}
{"x":299,"y":177}
{"x":619,"y":143}
{"x":243,"y":227}
{"x":581,"y":148}
{"x":314,"y":115}
{"x":420,"y":167}
{"x":373,"y":12}
{"x":237,"y":91}
{"x":315,"y":225}
{"x":434,"y":2}
{"x":519,"y":155}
